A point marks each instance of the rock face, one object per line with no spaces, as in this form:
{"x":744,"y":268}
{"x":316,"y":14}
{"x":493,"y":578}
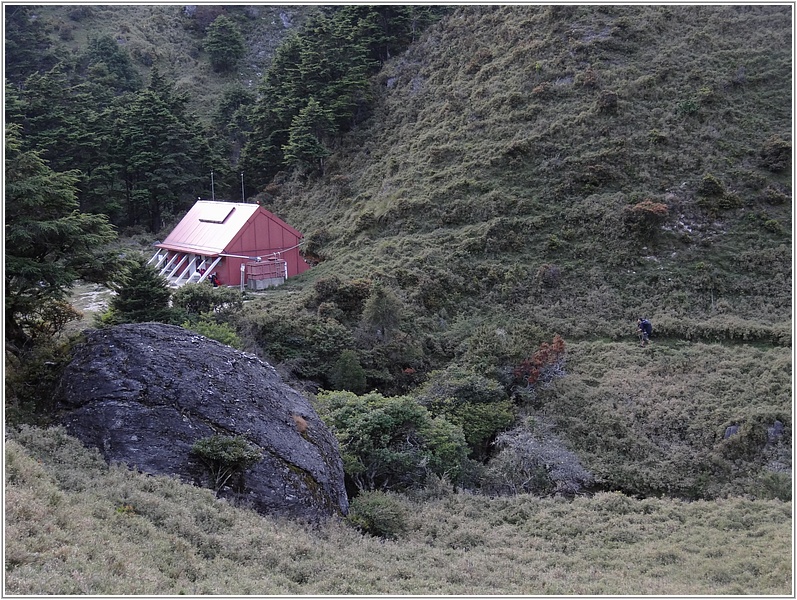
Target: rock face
{"x":144,"y":393}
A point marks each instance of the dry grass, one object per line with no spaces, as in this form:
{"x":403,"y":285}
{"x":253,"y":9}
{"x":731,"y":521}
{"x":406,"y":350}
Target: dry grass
{"x":76,"y":526}
{"x":493,"y":152}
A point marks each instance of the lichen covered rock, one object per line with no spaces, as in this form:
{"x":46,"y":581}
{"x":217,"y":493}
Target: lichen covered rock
{"x":143,"y":394}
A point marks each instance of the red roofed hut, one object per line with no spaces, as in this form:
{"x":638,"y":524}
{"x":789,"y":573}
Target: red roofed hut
{"x":242,"y":244}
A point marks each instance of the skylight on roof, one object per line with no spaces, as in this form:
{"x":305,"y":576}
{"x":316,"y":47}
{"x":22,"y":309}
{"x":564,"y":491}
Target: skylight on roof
{"x":215,"y":213}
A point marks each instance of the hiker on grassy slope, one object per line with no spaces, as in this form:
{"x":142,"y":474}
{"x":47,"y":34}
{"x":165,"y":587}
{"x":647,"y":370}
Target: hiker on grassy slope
{"x":644,"y":329}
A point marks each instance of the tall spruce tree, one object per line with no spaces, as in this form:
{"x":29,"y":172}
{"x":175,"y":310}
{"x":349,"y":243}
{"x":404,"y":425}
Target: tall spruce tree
{"x":49,"y":243}
{"x":105,"y":56}
{"x":330,"y":60}
{"x":27,"y":48}
{"x":224,"y":44}
{"x":162,"y":159}
{"x":308,"y":128}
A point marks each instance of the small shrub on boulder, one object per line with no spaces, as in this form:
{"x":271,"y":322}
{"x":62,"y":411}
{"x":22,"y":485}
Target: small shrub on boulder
{"x":225,"y":456}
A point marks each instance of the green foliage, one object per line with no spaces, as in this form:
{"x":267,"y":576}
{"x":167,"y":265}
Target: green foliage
{"x":161,"y":155}
{"x":225,"y":456}
{"x":142,"y":296}
{"x":347,"y":373}
{"x":304,"y":147}
{"x":208,"y":326}
{"x":224,"y":44}
{"x":308,"y":344}
{"x":49,"y":244}
{"x":105,"y":56}
{"x":714,"y":196}
{"x":32,"y":379}
{"x":379,"y":514}
{"x":318,"y":84}
{"x":348,"y":297}
{"x":193,"y":299}
{"x":390,"y":443}
{"x":26,"y":46}
{"x":382,"y":310}
{"x":473,"y":173}
{"x":478,"y":405}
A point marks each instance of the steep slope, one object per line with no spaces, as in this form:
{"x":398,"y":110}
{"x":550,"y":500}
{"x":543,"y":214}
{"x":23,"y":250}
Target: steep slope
{"x":512,"y":140}
{"x":539,"y":170}
{"x":172,"y":36}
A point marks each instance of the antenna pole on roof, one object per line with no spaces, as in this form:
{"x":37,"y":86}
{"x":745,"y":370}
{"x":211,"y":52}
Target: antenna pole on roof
{"x":212,"y":187}
{"x":243,"y":196}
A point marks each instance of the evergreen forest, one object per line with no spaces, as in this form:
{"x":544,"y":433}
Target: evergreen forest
{"x":491,"y":196}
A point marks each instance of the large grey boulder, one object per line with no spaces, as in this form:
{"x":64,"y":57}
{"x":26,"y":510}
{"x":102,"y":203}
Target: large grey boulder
{"x":144,"y":393}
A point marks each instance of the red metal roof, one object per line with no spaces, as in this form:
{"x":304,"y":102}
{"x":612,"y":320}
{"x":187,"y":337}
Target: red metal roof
{"x":210,"y":226}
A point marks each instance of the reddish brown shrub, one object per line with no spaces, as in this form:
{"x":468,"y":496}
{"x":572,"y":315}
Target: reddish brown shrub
{"x":544,"y":365}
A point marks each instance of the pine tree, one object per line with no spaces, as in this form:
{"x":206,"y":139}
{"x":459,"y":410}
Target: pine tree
{"x":27,"y":47}
{"x":142,"y":296}
{"x":347,"y":373}
{"x":225,"y":44}
{"x":161,"y":158}
{"x":382,"y":310}
{"x":49,"y":243}
{"x":308,"y":128}
{"x":114,"y":61}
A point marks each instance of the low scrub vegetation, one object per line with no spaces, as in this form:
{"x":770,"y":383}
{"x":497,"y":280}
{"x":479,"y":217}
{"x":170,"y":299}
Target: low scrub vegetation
{"x":484,"y":235}
{"x":75,"y":525}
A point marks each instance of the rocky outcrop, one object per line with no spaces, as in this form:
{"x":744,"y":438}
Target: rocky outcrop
{"x":143,"y":394}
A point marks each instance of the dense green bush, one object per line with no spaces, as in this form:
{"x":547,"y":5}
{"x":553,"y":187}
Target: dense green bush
{"x":208,"y":326}
{"x":347,"y":373}
{"x":334,"y":294}
{"x":391,"y":443}
{"x":193,"y":299}
{"x":477,"y":404}
{"x":307,"y":343}
{"x":32,"y":379}
{"x":379,"y":514}
{"x":225,"y":457}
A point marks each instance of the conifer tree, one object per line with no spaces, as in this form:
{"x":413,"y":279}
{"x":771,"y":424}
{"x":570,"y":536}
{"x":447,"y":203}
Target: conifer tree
{"x":382,"y":310}
{"x":161,"y":157}
{"x":116,"y":62}
{"x":142,"y":296}
{"x":225,"y":44}
{"x":49,"y":243}
{"x":348,"y":374}
{"x":308,"y":128}
{"x":27,"y":47}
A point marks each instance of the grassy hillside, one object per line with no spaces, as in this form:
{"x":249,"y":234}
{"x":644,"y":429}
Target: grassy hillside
{"x":172,"y":37}
{"x":528,"y":171}
{"x":517,"y":137}
{"x":76,"y":526}
{"x":542,"y":170}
